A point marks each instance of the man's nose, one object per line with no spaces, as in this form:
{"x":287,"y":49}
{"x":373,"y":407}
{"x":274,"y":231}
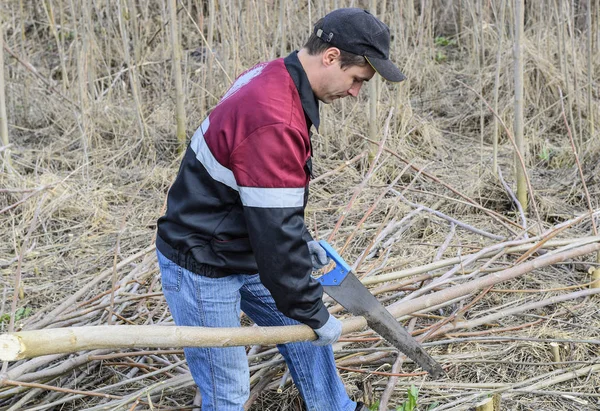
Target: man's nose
{"x":353,"y":91}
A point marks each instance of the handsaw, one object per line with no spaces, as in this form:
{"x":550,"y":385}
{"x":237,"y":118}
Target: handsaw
{"x":343,"y":286}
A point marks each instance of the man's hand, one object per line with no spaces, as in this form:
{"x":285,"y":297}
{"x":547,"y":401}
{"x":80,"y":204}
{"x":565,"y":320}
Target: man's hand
{"x":318,"y":255}
{"x":329,"y":333}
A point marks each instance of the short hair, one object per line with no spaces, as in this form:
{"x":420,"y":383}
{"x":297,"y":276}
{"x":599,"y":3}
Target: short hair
{"x":315,"y":45}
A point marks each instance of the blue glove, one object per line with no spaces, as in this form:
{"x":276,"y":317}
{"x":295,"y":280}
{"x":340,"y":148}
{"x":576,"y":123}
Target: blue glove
{"x":318,"y":256}
{"x":328,"y":333}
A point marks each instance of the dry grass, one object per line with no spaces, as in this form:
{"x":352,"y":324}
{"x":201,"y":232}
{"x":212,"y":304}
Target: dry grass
{"x":88,"y":181}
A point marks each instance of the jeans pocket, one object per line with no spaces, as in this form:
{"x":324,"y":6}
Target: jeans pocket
{"x":170,"y":273}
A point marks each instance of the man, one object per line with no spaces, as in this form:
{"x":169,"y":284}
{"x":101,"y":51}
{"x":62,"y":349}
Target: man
{"x":237,"y":209}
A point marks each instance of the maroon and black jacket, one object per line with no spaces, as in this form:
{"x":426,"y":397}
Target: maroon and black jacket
{"x":237,"y":205}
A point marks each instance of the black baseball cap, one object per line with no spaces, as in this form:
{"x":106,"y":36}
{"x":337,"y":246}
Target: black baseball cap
{"x":359,"y":32}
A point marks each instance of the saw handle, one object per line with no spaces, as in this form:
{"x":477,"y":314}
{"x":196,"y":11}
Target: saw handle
{"x":339,"y":272}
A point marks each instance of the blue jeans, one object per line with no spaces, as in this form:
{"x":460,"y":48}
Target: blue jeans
{"x":222,"y":373}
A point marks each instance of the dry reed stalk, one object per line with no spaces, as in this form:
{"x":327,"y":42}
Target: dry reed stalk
{"x":590,"y":57}
{"x":475,"y":33}
{"x":281,"y":29}
{"x":597,"y":25}
{"x":477,"y":59}
{"x":480,"y":64}
{"x":500,"y":24}
{"x":420,"y":37}
{"x":176,"y":70}
{"x":563,"y":27}
{"x":135,"y":30}
{"x":522,"y":185}
{"x":211,"y":52}
{"x":3,"y":116}
{"x":557,"y":12}
{"x":59,"y":44}
{"x":208,"y":80}
{"x":83,"y":122}
{"x":123,"y":12}
{"x":373,"y":123}
{"x":577,"y":131}
{"x":91,"y":46}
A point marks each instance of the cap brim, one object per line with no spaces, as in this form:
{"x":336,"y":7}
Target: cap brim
{"x":386,"y":69}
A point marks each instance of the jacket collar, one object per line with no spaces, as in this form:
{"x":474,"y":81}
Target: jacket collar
{"x":310,"y":104}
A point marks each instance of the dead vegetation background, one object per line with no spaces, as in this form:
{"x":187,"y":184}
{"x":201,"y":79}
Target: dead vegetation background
{"x":400,"y":184}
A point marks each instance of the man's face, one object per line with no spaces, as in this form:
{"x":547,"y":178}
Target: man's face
{"x":338,"y":83}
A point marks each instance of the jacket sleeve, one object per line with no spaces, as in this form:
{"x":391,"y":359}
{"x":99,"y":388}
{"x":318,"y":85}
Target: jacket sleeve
{"x":269,"y":167}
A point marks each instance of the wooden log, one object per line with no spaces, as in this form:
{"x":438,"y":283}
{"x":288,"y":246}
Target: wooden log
{"x":28,"y":344}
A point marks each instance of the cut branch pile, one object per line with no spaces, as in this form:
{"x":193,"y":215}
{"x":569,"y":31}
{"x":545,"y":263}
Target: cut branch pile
{"x":28,"y":344}
{"x":454,"y":287}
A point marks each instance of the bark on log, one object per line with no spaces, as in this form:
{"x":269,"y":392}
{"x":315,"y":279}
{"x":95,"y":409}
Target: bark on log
{"x":28,"y":344}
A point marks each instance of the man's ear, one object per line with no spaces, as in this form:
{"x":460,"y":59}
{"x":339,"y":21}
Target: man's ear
{"x":330,"y":56}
